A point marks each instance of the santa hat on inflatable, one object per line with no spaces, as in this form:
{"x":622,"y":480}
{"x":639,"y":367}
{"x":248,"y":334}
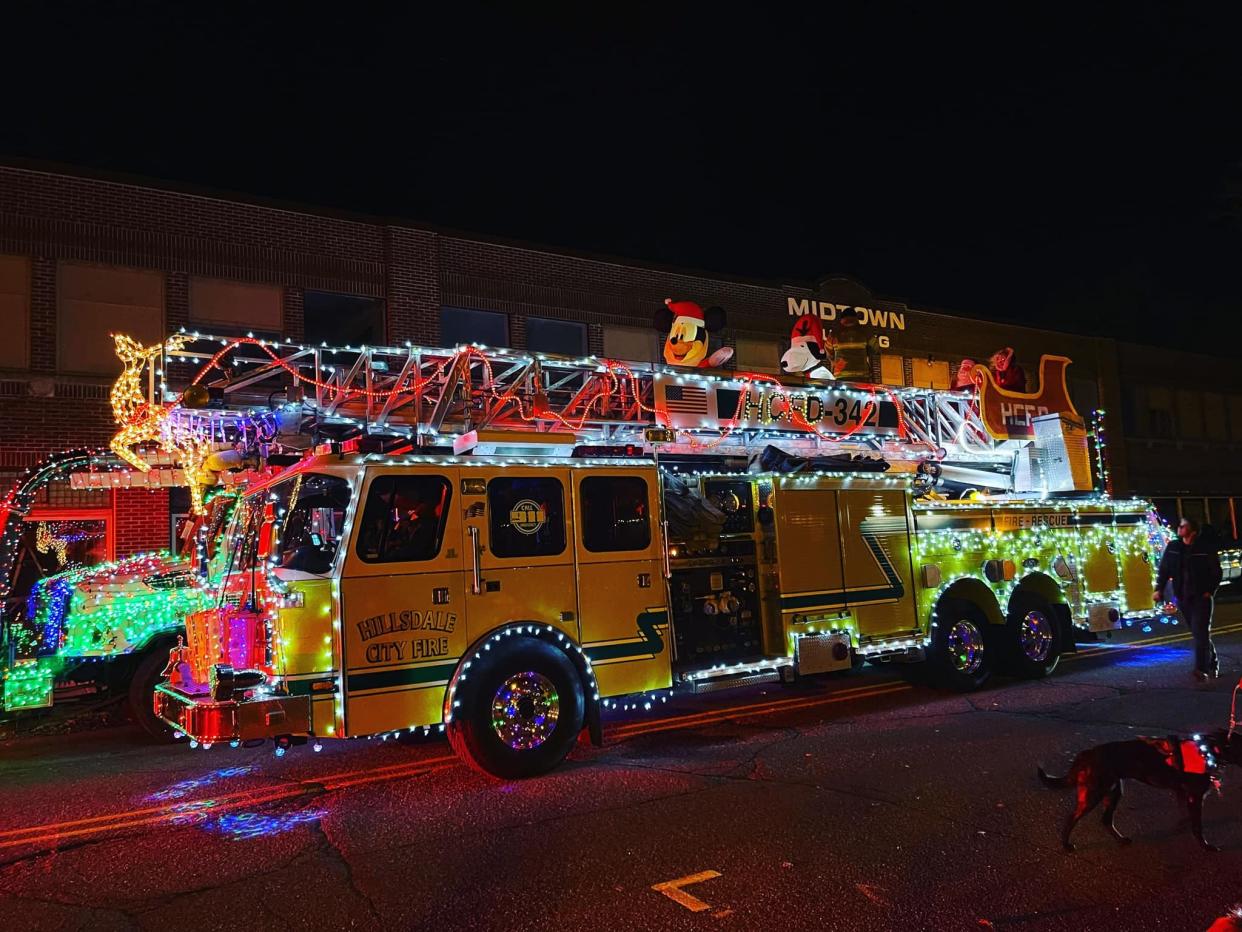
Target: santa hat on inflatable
{"x":688,"y":310}
{"x":693,"y":324}
{"x":807,"y":328}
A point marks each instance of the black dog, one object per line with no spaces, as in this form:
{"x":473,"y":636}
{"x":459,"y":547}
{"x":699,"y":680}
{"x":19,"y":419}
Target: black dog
{"x":1187,"y":766}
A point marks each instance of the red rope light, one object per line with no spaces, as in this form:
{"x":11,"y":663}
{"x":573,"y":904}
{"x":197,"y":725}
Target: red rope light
{"x":618,"y":378}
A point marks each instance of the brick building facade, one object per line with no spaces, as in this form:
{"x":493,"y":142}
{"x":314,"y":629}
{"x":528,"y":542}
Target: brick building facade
{"x":80,"y":256}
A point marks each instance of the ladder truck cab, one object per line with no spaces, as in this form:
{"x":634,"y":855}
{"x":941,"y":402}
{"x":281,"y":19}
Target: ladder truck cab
{"x":498,"y":544}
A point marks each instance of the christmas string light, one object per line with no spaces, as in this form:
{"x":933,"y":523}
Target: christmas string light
{"x":1100,"y":441}
{"x":615,"y":382}
{"x":17,"y":502}
{"x":142,"y":422}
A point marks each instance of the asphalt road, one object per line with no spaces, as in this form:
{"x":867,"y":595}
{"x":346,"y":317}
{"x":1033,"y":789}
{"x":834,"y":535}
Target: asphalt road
{"x":862,"y":801}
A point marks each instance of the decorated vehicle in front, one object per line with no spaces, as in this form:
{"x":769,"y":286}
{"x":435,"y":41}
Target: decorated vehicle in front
{"x":68,"y":618}
{"x":499,"y":544}
{"x":109,"y":625}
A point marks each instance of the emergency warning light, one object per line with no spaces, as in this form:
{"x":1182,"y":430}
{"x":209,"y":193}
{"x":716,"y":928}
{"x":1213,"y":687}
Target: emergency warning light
{"x":613,"y":450}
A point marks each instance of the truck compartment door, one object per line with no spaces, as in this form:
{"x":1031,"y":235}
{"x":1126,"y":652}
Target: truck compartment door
{"x":875,"y":534}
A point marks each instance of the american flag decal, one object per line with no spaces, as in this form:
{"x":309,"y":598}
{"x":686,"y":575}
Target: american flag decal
{"x":685,"y":399}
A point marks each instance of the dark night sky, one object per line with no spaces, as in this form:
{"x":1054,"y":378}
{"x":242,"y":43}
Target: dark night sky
{"x":1046,"y":166}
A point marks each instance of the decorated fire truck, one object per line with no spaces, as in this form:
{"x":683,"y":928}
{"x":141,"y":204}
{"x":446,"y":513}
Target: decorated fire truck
{"x":495,"y":543}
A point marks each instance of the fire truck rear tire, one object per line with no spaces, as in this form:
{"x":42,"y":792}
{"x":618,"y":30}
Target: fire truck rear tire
{"x":960,"y":655}
{"x":147,"y":673}
{"x":1032,"y":637}
{"x":519,"y":711}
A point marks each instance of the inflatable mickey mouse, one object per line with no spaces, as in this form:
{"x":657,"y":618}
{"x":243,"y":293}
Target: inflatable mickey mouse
{"x":688,"y":327}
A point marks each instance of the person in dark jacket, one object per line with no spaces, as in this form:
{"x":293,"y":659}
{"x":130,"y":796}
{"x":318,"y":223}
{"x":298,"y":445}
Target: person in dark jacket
{"x":1193,"y":565}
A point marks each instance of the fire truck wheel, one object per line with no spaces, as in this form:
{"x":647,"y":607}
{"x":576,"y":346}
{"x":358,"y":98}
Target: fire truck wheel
{"x":959,"y":654}
{"x":521,"y":709}
{"x":1032,"y":638}
{"x":148,"y":672}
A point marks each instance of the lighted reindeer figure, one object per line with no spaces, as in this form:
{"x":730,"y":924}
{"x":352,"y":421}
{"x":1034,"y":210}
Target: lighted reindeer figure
{"x":142,"y":422}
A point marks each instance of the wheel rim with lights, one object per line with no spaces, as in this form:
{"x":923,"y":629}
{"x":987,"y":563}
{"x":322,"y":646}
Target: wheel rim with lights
{"x":1035,"y":636}
{"x":524,"y":710}
{"x":965,"y":643}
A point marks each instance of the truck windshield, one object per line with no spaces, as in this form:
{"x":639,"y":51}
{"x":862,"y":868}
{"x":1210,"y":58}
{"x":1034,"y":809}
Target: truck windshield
{"x":292,"y":528}
{"x":310,"y":516}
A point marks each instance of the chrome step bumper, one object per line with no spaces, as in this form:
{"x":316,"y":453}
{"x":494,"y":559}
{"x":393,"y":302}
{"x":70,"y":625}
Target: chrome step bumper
{"x":207,"y":721}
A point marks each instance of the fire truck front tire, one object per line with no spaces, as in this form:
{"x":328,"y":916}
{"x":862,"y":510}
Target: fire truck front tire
{"x":141,"y":700}
{"x":519,"y":710}
{"x":960,"y":654}
{"x":1032,"y":637}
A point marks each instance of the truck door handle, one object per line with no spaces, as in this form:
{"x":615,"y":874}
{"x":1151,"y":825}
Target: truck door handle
{"x":668,"y":569}
{"x":644,"y":580}
{"x":476,"y":577}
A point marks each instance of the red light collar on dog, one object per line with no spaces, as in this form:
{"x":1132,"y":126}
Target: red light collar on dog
{"x":1193,"y":758}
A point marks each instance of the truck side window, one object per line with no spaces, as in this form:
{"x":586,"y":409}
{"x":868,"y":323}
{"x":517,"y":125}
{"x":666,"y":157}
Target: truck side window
{"x":615,"y":515}
{"x":526,"y":516}
{"x":404,"y":519}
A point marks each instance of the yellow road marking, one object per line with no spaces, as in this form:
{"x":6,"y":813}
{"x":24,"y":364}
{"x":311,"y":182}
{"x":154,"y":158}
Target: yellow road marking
{"x":672,"y":889}
{"x":734,"y":710}
{"x":182,"y":807}
{"x":192,"y":811}
{"x":789,"y":705}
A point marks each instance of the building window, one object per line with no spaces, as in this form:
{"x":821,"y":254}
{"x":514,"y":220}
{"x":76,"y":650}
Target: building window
{"x":753,"y":355}
{"x":562,"y":337}
{"x":527,"y":517}
{"x":1235,"y":417}
{"x":1129,"y":411}
{"x":892,"y":369}
{"x":15,"y":312}
{"x":1189,"y":415}
{"x":404,"y":519}
{"x":342,"y":319}
{"x":95,"y":301}
{"x":223,"y":305}
{"x":1216,"y":424}
{"x":83,"y":537}
{"x":1159,"y":413}
{"x":632,"y":344}
{"x":930,"y":373}
{"x":462,"y":325}
{"x":615,"y":515}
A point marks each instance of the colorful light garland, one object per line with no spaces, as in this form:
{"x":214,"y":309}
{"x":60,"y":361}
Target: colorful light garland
{"x":960,"y":553}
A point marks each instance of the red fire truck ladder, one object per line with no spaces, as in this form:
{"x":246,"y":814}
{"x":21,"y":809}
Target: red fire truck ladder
{"x":235,"y":389}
